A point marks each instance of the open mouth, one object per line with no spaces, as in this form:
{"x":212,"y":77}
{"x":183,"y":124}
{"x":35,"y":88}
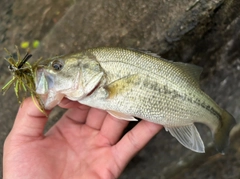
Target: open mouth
{"x":41,"y":81}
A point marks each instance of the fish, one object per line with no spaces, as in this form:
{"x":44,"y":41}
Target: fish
{"x":131,"y":84}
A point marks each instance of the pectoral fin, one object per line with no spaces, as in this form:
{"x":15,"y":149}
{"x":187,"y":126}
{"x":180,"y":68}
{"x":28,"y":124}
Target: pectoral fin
{"x":122,"y":116}
{"x":121,"y":85}
{"x":188,"y":136}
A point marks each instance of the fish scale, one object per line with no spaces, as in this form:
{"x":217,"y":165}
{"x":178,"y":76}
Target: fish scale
{"x":106,"y":65}
{"x":128,"y":83}
{"x":158,"y":69}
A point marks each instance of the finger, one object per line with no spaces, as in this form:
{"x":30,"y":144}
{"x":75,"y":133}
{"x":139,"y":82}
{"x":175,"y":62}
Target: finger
{"x":135,"y":140}
{"x":77,"y":114}
{"x":95,"y":118}
{"x":71,"y":119}
{"x":112,"y":128}
{"x":30,"y":121}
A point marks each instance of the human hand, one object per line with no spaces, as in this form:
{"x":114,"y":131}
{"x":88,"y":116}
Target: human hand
{"x":84,"y":143}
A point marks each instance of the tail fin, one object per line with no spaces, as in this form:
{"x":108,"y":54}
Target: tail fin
{"x":221,"y":136}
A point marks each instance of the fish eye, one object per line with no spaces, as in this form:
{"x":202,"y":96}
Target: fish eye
{"x":57,"y":65}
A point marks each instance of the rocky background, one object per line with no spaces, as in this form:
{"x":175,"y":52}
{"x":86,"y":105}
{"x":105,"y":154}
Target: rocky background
{"x":202,"y":32}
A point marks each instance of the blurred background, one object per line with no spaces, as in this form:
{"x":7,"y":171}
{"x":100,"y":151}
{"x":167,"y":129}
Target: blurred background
{"x":202,"y":32}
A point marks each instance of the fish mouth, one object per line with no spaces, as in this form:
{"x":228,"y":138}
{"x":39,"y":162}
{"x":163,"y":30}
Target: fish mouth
{"x":42,"y":80}
{"x":39,"y":74}
{"x":44,"y":84}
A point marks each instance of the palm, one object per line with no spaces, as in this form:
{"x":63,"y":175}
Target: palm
{"x":84,"y":143}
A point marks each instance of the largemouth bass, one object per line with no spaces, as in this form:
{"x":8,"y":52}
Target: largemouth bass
{"x":129,"y":84}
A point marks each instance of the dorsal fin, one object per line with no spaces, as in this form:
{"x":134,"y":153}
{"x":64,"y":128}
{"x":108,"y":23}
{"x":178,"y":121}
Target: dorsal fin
{"x":192,"y":70}
{"x":147,"y":52}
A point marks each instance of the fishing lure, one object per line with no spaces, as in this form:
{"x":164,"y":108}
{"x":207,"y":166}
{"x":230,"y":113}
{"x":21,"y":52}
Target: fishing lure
{"x":22,"y":78}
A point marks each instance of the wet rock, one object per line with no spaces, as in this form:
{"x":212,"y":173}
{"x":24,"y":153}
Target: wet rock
{"x":202,"y":32}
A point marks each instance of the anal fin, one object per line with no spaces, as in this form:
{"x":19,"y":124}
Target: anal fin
{"x":188,"y":136}
{"x":122,"y":116}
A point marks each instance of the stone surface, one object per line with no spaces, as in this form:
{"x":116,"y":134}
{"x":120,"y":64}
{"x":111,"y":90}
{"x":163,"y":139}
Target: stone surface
{"x":202,"y":32}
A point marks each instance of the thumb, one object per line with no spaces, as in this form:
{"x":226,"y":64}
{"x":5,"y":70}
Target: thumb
{"x":30,"y":121}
